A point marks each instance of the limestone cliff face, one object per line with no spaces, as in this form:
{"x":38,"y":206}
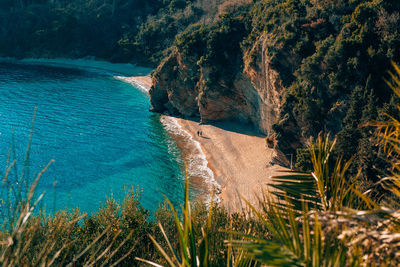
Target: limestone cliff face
{"x":175,"y":86}
{"x":252,"y":93}
{"x":266,"y":91}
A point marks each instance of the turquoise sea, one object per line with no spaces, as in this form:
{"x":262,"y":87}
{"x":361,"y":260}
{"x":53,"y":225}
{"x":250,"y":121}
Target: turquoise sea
{"x":98,"y":130}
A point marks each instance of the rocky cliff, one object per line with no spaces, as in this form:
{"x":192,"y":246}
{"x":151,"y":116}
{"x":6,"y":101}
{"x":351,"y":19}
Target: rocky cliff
{"x":252,"y":93}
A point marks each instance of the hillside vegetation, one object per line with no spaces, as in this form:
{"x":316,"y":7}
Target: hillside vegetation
{"x":115,"y":30}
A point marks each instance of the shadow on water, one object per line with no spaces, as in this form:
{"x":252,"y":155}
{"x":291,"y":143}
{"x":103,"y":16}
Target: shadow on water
{"x":39,"y":73}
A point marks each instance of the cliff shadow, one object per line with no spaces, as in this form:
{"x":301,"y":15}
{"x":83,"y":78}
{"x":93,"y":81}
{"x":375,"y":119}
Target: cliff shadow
{"x":231,"y":126}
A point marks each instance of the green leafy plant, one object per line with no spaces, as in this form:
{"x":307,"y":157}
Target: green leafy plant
{"x":298,"y":238}
{"x":193,"y":249}
{"x":326,"y":187}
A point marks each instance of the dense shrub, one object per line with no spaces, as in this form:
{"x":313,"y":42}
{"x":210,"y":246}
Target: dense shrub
{"x":117,"y":232}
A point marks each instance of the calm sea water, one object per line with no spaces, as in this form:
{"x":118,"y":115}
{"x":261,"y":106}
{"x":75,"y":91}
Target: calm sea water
{"x":97,"y":129}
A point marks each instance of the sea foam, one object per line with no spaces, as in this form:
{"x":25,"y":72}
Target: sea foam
{"x":196,"y":160}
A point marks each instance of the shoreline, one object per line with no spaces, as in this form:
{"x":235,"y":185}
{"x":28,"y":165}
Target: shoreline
{"x":229,"y":159}
{"x":201,"y":176}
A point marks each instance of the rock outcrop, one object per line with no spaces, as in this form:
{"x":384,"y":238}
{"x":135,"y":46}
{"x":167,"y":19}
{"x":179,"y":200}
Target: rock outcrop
{"x":252,"y":93}
{"x":175,"y":86}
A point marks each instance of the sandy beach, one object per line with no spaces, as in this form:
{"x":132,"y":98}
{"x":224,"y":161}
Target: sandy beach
{"x":239,"y":159}
{"x":236,"y":154}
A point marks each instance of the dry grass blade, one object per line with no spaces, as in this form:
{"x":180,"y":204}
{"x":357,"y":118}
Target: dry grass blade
{"x":25,"y":169}
{"x":58,"y":253}
{"x":162,"y":251}
{"x":35,"y":183}
{"x":89,"y":246}
{"x":119,"y":247}
{"x":149,"y":262}
{"x":9,"y":168}
{"x":106,"y":250}
{"x":174,"y":254}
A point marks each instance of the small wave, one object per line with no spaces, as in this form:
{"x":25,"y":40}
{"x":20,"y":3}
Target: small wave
{"x":196,"y":160}
{"x":135,"y":82}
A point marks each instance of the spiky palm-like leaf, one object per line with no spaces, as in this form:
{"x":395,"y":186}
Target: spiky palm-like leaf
{"x":325,"y":188}
{"x":370,"y":237}
{"x":193,"y":249}
{"x":388,"y":133}
{"x":297,"y":240}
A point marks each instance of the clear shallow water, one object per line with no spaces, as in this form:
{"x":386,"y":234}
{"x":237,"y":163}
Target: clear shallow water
{"x":97,"y":129}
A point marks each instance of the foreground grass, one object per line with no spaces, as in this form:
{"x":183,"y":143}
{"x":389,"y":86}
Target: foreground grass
{"x":117,"y":234}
